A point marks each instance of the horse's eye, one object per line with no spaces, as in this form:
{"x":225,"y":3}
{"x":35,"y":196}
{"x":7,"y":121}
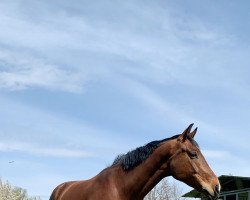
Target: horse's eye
{"x":193,"y":154}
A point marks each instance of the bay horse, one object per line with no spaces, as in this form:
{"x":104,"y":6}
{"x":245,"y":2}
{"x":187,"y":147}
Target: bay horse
{"x":133,"y":175}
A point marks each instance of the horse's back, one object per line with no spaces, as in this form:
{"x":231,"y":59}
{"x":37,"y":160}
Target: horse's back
{"x":84,"y":190}
{"x":99,"y":187}
{"x":60,"y":190}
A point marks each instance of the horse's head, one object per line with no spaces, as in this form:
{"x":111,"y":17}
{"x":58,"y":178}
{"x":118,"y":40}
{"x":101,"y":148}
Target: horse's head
{"x":187,"y":164}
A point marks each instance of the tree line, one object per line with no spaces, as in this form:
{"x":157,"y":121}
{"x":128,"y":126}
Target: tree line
{"x":9,"y":192}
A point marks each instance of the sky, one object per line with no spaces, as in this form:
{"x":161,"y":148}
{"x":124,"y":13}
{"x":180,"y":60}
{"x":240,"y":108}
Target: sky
{"x":83,"y":81}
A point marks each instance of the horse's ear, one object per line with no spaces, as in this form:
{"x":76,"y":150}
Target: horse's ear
{"x":192,"y":134}
{"x":185,"y":133}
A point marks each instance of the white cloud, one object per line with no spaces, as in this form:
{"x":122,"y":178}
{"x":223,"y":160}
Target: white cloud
{"x":32,"y":149}
{"x":164,"y":57}
{"x":21,"y":71}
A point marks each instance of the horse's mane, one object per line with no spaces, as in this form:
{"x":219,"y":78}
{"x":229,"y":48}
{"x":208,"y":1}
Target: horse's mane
{"x":135,"y":157}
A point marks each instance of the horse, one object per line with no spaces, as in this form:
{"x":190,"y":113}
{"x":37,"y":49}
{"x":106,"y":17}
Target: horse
{"x":134,"y":174}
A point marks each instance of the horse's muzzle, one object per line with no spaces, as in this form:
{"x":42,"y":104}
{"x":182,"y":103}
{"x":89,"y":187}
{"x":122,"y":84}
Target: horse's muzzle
{"x":215,"y":195}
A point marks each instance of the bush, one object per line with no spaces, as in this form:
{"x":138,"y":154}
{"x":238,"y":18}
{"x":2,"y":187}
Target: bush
{"x":164,"y":191}
{"x":8,"y":192}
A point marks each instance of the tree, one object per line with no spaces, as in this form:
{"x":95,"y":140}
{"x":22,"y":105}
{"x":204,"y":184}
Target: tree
{"x":8,"y":192}
{"x":164,"y":191}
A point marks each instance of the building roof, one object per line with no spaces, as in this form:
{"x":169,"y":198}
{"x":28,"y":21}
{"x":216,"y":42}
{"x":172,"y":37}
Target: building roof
{"x":228,"y":184}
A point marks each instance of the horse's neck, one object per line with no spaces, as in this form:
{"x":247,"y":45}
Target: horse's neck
{"x":156,"y":178}
{"x":144,"y":177}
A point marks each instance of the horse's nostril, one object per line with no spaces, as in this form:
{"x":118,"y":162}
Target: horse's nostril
{"x":217,"y":189}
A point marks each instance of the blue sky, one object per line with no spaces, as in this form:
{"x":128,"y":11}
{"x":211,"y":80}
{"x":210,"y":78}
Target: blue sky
{"x":83,"y":81}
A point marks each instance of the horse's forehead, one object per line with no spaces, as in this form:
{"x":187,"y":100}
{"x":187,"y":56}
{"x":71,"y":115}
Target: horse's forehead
{"x":192,"y":144}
